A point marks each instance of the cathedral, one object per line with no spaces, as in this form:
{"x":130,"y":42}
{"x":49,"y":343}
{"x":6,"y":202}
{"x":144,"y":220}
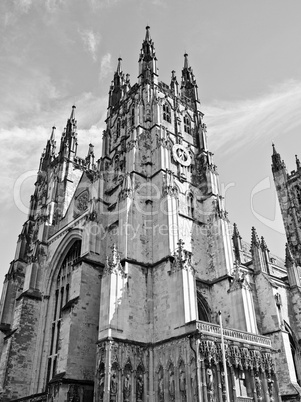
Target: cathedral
{"x":129,"y":283}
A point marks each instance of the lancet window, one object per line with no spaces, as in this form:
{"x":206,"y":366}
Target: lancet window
{"x":61,"y":297}
{"x":187,"y":125}
{"x":166,"y":113}
{"x":190,"y":205}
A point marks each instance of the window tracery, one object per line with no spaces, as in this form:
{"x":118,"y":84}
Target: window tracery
{"x":166,"y":113}
{"x":61,"y":297}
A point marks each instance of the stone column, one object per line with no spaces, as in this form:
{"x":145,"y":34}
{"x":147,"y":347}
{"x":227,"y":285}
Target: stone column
{"x":204,"y":382}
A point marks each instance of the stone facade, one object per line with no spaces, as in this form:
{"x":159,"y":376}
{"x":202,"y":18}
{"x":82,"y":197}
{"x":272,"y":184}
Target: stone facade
{"x":126,"y":265}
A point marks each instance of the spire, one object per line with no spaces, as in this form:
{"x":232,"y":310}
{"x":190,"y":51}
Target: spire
{"x":147,"y":60}
{"x":189,"y":87}
{"x":277,"y":163}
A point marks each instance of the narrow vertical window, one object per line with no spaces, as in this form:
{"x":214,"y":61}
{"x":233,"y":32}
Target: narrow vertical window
{"x":187,"y":125}
{"x":166,"y":113}
{"x":190,"y":206}
{"x":60,"y":298}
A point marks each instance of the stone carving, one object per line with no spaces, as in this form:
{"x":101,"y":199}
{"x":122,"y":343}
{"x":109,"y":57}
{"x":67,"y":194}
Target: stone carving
{"x":182,"y":258}
{"x":101,"y":382}
{"x":169,"y":187}
{"x":113,"y":265}
{"x":271,"y":389}
{"x":171,"y":383}
{"x":82,"y":201}
{"x":139,"y":386}
{"x":258,"y":387}
{"x":194,"y":391}
{"x":182,"y":383}
{"x":239,"y":279}
{"x":114,"y":384}
{"x":126,"y":189}
{"x":127,"y":387}
{"x":209,"y":380}
{"x":161,"y":385}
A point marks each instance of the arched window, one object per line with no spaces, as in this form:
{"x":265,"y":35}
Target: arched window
{"x":190,"y":205}
{"x":187,"y":125}
{"x":61,"y":297}
{"x":166,"y":113}
{"x":203,"y":308}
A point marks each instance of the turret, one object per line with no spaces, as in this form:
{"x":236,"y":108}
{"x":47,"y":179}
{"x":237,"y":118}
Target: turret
{"x":189,"y":87}
{"x":148,"y":71}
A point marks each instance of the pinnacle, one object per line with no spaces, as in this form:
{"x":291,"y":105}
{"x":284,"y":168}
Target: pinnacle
{"x":235,"y":230}
{"x":254,"y":238}
{"x":52,"y":137}
{"x":73,"y":112}
{"x":119,"y":65}
{"x":186,"y":64}
{"x":147,"y":34}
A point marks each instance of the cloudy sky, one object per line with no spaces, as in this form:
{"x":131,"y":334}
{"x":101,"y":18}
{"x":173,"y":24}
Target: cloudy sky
{"x":246,"y":58}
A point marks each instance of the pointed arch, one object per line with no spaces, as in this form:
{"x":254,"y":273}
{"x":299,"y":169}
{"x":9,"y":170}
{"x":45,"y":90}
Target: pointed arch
{"x":166,"y":112}
{"x":190,"y":204}
{"x":204,"y":311}
{"x":59,"y":297}
{"x":187,"y":124}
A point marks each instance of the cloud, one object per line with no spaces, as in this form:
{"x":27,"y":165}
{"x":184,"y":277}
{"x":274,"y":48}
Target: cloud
{"x":232,"y":125}
{"x":21,"y":147}
{"x":105,"y":66}
{"x":91,"y":42}
{"x":96,"y":4}
{"x":23,"y":5}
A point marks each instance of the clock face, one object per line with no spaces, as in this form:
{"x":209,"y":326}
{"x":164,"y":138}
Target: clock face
{"x":181,"y":154}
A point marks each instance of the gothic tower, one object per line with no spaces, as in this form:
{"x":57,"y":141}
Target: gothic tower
{"x":124,"y":263}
